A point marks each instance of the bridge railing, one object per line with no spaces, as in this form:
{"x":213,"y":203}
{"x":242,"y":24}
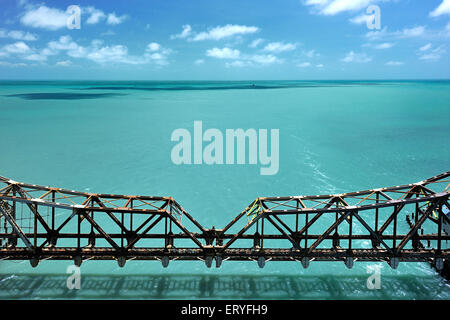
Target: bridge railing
{"x":401,"y":223}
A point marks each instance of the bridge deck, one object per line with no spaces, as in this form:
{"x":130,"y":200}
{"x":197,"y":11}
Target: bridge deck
{"x":394,"y":224}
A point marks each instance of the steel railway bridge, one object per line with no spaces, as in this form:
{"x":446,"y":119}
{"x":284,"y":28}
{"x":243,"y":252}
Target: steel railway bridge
{"x":407,"y":223}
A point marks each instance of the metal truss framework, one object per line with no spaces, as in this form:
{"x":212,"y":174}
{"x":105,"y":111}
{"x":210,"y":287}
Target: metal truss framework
{"x":362,"y":225}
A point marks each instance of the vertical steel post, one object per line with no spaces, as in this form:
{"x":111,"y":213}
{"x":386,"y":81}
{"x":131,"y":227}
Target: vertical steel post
{"x":440,"y":217}
{"x":78,"y":229}
{"x":53,"y":210}
{"x":395,"y":228}
{"x":35,"y":226}
{"x":350,"y":231}
{"x":376,"y":212}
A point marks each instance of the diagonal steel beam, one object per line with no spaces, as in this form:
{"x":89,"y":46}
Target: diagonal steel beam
{"x":189,"y":234}
{"x":327,"y":233}
{"x":98,"y":228}
{"x":243,"y":230}
{"x":373,"y":233}
{"x":34,"y":210}
{"x":145,"y":222}
{"x":294,"y":243}
{"x":187,"y":215}
{"x":139,"y":236}
{"x":316,"y":217}
{"x":397,"y":209}
{"x":278,"y":219}
{"x":111,"y":215}
{"x":419,"y":223}
{"x":239,"y":216}
{"x":4,"y":209}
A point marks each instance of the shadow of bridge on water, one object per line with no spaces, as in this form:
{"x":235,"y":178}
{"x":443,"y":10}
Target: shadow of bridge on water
{"x":181,"y":286}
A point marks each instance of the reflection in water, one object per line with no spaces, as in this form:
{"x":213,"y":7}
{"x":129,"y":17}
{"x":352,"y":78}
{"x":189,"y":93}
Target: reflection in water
{"x":48,"y":286}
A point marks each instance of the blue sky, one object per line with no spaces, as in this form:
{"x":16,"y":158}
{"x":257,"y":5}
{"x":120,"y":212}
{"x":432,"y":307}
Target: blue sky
{"x":225,"y":40}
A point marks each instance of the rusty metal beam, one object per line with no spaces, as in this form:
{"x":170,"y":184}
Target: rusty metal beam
{"x":276,"y":210}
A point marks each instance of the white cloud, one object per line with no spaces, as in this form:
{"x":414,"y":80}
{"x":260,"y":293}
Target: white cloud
{"x":376,"y":35}
{"x":64,"y":63}
{"x":433,"y":55}
{"x":17,"y":35}
{"x":114,"y":20}
{"x":96,"y":52}
{"x":414,"y":32}
{"x":255,"y":43}
{"x":10,"y":64}
{"x":36,"y":57}
{"x":18,"y":47}
{"x":153,"y":47}
{"x":311,"y":53}
{"x":157,"y":54}
{"x":119,"y":54}
{"x":116,"y":53}
{"x":425,"y":47}
{"x":54,"y":19}
{"x":443,"y":8}
{"x":361,"y":19}
{"x":333,"y":7}
{"x":380,"y":46}
{"x":225,"y":53}
{"x":45,"y":18}
{"x":265,"y":59}
{"x":279,"y":47}
{"x":319,"y":66}
{"x":394,"y":63}
{"x":254,"y":60}
{"x":65,"y":43}
{"x":199,"y":61}
{"x":304,"y":65}
{"x":95,"y":15}
{"x":356,"y":57}
{"x":21,"y":50}
{"x":186,"y":32}
{"x":385,"y":45}
{"x":242,"y":60}
{"x":227,"y":31}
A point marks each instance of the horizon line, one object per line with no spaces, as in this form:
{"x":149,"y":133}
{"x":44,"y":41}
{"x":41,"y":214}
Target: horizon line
{"x":235,"y":80}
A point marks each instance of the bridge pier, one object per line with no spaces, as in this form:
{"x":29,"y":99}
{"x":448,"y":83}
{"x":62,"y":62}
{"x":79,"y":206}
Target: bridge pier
{"x":305,"y":262}
{"x":442,"y":266}
{"x":261,"y":262}
{"x":394,"y":262}
{"x":208,"y":261}
{"x":34,"y":262}
{"x":349,"y":262}
{"x":121,"y":261}
{"x":77,"y":260}
{"x":165,"y":261}
{"x":219,"y":261}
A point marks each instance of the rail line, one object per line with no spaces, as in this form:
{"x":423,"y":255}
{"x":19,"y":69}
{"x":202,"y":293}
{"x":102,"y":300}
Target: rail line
{"x":407,"y":223}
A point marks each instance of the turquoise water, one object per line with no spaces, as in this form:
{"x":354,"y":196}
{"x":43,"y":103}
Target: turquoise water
{"x":114,"y":137}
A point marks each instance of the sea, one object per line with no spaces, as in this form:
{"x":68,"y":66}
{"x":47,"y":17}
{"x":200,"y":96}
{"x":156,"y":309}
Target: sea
{"x":115,"y":137}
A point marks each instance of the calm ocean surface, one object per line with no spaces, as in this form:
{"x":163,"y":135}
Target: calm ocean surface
{"x":114,"y":137}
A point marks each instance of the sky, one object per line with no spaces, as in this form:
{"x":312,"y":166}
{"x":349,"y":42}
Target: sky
{"x":224,"y":39}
